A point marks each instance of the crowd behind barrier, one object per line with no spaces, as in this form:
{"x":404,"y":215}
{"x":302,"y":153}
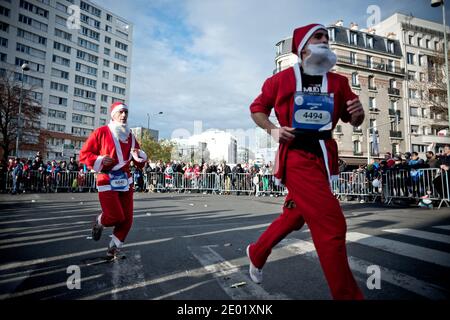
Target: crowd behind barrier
{"x":393,"y":179}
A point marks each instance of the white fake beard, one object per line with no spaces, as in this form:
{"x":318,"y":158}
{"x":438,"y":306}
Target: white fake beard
{"x":320,"y":60}
{"x":119,"y":130}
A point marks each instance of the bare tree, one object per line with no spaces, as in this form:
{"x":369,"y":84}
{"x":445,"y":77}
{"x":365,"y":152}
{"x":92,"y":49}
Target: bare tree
{"x":11,"y":92}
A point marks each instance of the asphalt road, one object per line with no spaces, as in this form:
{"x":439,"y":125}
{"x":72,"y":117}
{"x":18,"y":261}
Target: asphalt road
{"x":192,"y":246}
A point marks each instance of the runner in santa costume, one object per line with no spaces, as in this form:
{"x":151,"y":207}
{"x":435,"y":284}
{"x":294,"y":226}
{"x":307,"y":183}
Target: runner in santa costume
{"x":108,"y":151}
{"x":308,"y":101}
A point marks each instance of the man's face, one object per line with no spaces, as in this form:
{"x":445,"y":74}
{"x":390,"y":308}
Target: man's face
{"x":446,"y":150}
{"x":320,"y":36}
{"x":121,"y":116}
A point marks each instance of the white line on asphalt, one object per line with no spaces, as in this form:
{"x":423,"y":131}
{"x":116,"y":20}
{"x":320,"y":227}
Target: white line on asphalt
{"x":398,"y":279}
{"x":27,"y":263}
{"x":174,"y":293}
{"x":405,"y":249}
{"x":44,"y":288}
{"x":227,"y":274}
{"x":45,"y":219}
{"x":228,"y":230}
{"x":421,"y":234}
{"x":442,"y":227}
{"x":42,"y":236}
{"x":56,"y":226}
{"x":15,"y":245}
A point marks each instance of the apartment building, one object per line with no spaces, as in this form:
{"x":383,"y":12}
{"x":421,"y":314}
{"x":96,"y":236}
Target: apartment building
{"x":79,"y":56}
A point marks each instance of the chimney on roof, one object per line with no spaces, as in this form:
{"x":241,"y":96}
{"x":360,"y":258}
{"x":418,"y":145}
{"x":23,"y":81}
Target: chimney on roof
{"x":371,"y":30}
{"x":391,"y":35}
{"x":353,"y":26}
{"x":339,"y":23}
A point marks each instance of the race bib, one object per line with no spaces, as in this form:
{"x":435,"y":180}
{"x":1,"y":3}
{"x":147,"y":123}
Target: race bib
{"x":313,"y":111}
{"x":118,"y":180}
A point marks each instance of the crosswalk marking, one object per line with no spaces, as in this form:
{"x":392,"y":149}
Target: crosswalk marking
{"x":421,"y":234}
{"x":391,"y":276}
{"x":227,"y":274}
{"x":404,"y":249}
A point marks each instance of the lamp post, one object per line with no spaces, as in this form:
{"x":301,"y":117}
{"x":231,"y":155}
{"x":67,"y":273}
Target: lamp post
{"x":437,"y":3}
{"x":24,"y":68}
{"x":148,"y":119}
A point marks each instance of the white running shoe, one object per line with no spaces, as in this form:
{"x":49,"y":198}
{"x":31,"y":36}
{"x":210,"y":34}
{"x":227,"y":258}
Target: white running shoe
{"x":255,"y":274}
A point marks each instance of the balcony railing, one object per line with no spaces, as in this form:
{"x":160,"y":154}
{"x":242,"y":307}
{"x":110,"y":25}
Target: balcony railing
{"x":356,"y":130}
{"x":374,"y":66}
{"x":393,"y":112}
{"x":395,"y":134}
{"x":394,"y":91}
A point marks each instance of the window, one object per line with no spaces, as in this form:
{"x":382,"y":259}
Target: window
{"x":3,"y":42}
{"x":104,"y":86}
{"x":392,"y":83}
{"x":355,"y":79}
{"x":419,"y":41}
{"x":411,"y":75}
{"x":105,"y":74}
{"x":419,"y":148}
{"x":107,"y":40}
{"x":104,"y":98}
{"x":427,"y":44}
{"x":89,"y":33}
{"x":332,"y":34}
{"x":410,"y":39}
{"x":410,"y":58}
{"x":81,"y":131}
{"x":414,"y":129}
{"x":109,"y":17}
{"x":29,"y":50}
{"x":412,"y":93}
{"x":60,"y":73}
{"x":422,"y":77}
{"x":63,"y":34}
{"x":85,"y":81}
{"x":60,"y":60}
{"x":56,"y":127}
{"x":391,"y":65}
{"x":395,"y":148}
{"x":61,"y":47}
{"x":120,"y":79}
{"x":356,"y":147}
{"x":3,"y":57}
{"x":33,"y":8}
{"x":61,"y":7}
{"x":120,"y":68}
{"x":58,"y":100}
{"x":87,"y":56}
{"x":79,"y":118}
{"x":83,"y":106}
{"x":4,"y":26}
{"x":31,"y":37}
{"x":32,"y":81}
{"x":84,"y":93}
{"x":108,"y":28}
{"x":372,"y":103}
{"x":91,"y":9}
{"x":353,"y":38}
{"x":118,"y":90}
{"x":103,"y":110}
{"x":414,"y":112}
{"x":4,"y":11}
{"x":90,"y":21}
{"x":57,"y":114}
{"x":86,"y":69}
{"x":352,"y":58}
{"x":372,"y":82}
{"x":393,"y":104}
{"x":32,"y":22}
{"x":370,"y":42}
{"x":60,"y":20}
{"x":59,"y":86}
{"x":370,"y":62}
{"x":105,"y":63}
{"x":120,"y":56}
{"x":390,"y":46}
{"x":121,"y":45}
{"x":88,"y":44}
{"x":107,"y":51}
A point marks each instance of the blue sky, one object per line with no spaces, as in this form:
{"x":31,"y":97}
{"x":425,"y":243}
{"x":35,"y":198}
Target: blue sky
{"x":207,"y":59}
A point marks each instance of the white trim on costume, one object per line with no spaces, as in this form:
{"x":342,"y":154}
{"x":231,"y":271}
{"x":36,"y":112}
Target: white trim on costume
{"x":306,"y":38}
{"x":98,"y":164}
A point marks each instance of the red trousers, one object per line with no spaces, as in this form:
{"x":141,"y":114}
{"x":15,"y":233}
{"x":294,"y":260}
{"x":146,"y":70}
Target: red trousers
{"x":117,"y":212}
{"x":307,"y":183}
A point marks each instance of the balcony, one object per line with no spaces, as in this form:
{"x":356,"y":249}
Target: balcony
{"x":373,"y":66}
{"x":395,"y":134}
{"x":374,"y":110}
{"x":393,"y":112}
{"x":357,"y":130}
{"x":394,"y":91}
{"x":372,"y":88}
{"x":357,"y":153}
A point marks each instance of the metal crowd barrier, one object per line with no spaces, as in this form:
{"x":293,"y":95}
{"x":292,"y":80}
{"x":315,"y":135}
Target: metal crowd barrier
{"x":432,"y":184}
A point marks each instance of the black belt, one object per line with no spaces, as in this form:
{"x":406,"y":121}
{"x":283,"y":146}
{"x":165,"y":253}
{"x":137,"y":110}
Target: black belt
{"x":309,"y":141}
{"x":316,"y":135}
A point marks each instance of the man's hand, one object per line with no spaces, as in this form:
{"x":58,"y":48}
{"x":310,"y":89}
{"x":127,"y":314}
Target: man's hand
{"x":356,"y":110}
{"x":283,"y":134}
{"x":107,"y":161}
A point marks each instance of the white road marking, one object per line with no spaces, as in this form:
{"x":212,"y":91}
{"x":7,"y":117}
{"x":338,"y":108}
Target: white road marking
{"x":421,"y":234}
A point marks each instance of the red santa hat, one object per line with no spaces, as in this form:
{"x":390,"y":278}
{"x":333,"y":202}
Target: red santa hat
{"x":116,"y":107}
{"x":302,"y":35}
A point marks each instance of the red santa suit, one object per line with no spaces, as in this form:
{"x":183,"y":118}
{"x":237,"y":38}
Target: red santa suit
{"x":308,"y":176}
{"x":114,"y":182}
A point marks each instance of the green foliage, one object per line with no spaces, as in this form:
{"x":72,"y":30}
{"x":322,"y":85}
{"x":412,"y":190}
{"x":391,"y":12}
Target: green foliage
{"x":156,"y":150}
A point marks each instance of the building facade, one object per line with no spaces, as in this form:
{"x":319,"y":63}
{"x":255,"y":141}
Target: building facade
{"x":372,"y":65}
{"x":80,"y":58}
{"x":426,"y":112}
{"x":139,"y":133}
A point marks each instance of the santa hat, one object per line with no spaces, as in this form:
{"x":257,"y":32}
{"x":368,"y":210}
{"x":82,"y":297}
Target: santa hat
{"x":116,"y":107}
{"x":302,"y":35}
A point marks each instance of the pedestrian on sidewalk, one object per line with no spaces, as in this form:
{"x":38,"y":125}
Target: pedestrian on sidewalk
{"x":109,"y":151}
{"x":309,"y":100}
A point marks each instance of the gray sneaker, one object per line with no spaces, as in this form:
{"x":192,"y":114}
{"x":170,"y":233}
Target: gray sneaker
{"x":113,"y":252}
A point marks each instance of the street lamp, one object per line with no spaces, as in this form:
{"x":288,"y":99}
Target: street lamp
{"x":24,"y":68}
{"x":437,"y":3}
{"x":148,"y":119}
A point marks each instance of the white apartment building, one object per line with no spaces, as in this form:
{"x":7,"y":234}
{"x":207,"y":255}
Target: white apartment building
{"x":77,"y":70}
{"x":422,"y":44}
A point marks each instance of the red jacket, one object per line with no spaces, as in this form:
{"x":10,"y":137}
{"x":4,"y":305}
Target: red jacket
{"x":278,"y":92}
{"x":101,"y":143}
